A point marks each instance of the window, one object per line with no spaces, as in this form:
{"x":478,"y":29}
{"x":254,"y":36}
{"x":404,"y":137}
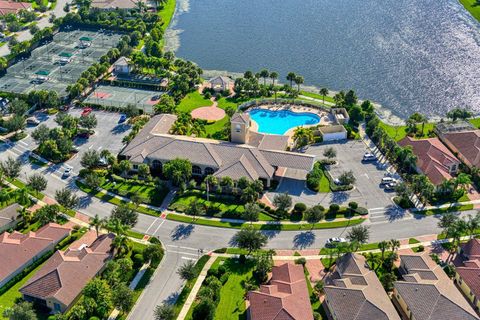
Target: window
{"x":454,"y":168}
{"x":56,"y":307}
{"x":209,"y":171}
{"x":196,"y":170}
{"x":237,"y":128}
{"x":135,"y":167}
{"x":156,"y":164}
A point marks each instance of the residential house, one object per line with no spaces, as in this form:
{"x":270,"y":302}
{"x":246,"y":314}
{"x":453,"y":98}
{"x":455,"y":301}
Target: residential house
{"x":353,"y":292}
{"x":427,"y":293}
{"x":467,"y":271}
{"x":7,"y":7}
{"x":18,"y":250}
{"x":154,"y":146}
{"x":9,"y":217}
{"x":59,"y":283}
{"x":284,"y":297}
{"x":462,"y":139}
{"x":221,"y":83}
{"x":433,"y":158}
{"x":341,"y":115}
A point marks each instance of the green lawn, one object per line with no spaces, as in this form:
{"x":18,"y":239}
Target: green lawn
{"x":215,"y":129}
{"x":399,"y":132}
{"x":150,"y":194}
{"x":316,"y":96}
{"x":272,"y":226}
{"x":475,"y":121}
{"x":447,"y":209}
{"x":192,"y":101}
{"x":166,"y":13}
{"x":413,"y":241}
{"x":473,"y":7}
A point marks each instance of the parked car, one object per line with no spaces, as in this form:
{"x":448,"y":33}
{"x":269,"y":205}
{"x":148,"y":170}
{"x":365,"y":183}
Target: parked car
{"x":369,"y":157}
{"x":123,"y":118}
{"x":337,"y":182}
{"x":83,"y":135}
{"x":32,"y":121}
{"x":331,"y":242}
{"x":86,"y":112}
{"x":67,"y":172}
{"x":387,"y":180}
{"x":391,"y":186}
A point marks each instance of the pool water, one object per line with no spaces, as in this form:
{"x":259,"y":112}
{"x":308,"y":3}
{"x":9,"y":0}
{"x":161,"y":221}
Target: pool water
{"x":279,"y":122}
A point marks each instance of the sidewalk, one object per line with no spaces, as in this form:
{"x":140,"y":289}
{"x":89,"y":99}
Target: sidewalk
{"x":196,"y":287}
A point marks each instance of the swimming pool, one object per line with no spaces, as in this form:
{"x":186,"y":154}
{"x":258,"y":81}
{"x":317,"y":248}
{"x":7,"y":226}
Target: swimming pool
{"x":280,"y":121}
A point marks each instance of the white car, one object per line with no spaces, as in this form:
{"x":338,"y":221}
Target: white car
{"x":387,"y":180}
{"x":369,"y":157}
{"x":67,"y":172}
{"x":334,"y":241}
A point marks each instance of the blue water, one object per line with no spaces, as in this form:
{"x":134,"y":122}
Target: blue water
{"x":279,"y":122}
{"x":408,"y":55}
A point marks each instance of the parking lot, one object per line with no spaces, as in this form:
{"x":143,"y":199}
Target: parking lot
{"x":108,"y":134}
{"x":367,"y":192}
{"x":81,"y":47}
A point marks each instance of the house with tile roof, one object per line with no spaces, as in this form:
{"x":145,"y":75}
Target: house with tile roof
{"x":60,"y":281}
{"x":427,"y":293}
{"x":353,"y":292}
{"x":220,"y":83}
{"x":18,"y":250}
{"x":433,"y":158}
{"x":463,"y":140}
{"x":9,"y":217}
{"x":115,"y":4}
{"x":467,"y":271}
{"x":7,"y":7}
{"x":154,"y":146}
{"x":285,"y":297}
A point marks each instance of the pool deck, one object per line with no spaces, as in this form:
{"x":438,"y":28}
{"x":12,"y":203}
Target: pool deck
{"x":326,"y":118}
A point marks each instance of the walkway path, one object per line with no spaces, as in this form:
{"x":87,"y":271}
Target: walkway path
{"x":196,"y":288}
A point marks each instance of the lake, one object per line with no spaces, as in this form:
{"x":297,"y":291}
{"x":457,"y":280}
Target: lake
{"x":408,"y":55}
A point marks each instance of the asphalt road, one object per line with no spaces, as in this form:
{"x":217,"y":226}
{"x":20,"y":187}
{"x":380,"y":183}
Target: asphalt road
{"x":183,"y":241}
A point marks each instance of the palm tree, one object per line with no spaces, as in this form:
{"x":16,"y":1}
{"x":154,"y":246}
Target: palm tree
{"x":273,"y":76}
{"x":302,"y":136}
{"x":324,"y":92}
{"x":96,"y":222}
{"x":373,"y":261}
{"x":394,"y":244}
{"x":473,"y":223}
{"x":298,"y":81}
{"x":264,"y":74}
{"x":121,"y":241}
{"x":383,"y":246}
{"x":291,"y":77}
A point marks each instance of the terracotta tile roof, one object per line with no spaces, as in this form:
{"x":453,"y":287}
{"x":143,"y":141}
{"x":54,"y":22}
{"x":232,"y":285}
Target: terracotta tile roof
{"x":66,"y":273}
{"x":429,"y":292}
{"x":285,"y":298}
{"x":353,"y":292}
{"x":7,"y":7}
{"x":114,"y":4}
{"x":16,"y":249}
{"x":241,"y":117}
{"x":471,"y":249}
{"x":467,"y":144}
{"x":433,"y":158}
{"x":151,"y":145}
{"x":268,"y":141}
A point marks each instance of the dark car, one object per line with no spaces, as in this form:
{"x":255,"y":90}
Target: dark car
{"x":122,"y":119}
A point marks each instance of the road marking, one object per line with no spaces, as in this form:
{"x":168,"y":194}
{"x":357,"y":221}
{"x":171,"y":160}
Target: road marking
{"x":161,"y":223}
{"x":99,"y":148}
{"x":155,"y":220}
{"x":187,"y":253}
{"x":187,"y":248}
{"x":379,"y":208}
{"x":90,"y":147}
{"x":187,"y":258}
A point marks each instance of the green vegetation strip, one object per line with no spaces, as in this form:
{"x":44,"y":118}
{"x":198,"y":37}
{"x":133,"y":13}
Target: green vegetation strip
{"x":473,"y":7}
{"x":102,"y":195}
{"x":432,"y":212}
{"x":266,"y":226}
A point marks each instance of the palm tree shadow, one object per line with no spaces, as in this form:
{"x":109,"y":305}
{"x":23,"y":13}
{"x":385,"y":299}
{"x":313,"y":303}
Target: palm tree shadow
{"x":181,"y":232}
{"x":303,"y":240}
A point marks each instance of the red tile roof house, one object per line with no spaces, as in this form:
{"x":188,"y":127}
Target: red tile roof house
{"x":58,"y":284}
{"x":18,"y":250}
{"x":433,"y":158}
{"x":427,"y":293}
{"x":465,"y":144}
{"x":284,"y":298}
{"x":353,"y":292}
{"x":467,"y":276}
{"x":7,"y":7}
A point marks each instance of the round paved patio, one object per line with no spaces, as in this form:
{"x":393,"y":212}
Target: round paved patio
{"x":212,"y":113}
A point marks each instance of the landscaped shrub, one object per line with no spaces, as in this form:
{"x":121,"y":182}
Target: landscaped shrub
{"x":420,"y":248}
{"x":154,"y":240}
{"x":221,"y":271}
{"x":314,"y":177}
{"x":221,"y":250}
{"x":301,"y":261}
{"x":300,"y":207}
{"x":224,"y":277}
{"x":334,"y":208}
{"x":212,"y":273}
{"x":137,"y":260}
{"x":353,"y":205}
{"x":362,"y":211}
{"x":242,"y":259}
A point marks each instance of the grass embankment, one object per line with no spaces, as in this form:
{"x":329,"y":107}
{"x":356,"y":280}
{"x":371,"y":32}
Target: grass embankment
{"x":192,"y":101}
{"x":432,"y":212}
{"x":399,"y":132}
{"x":316,"y":96}
{"x":473,"y":6}
{"x":266,"y":226}
{"x":148,"y":193}
{"x":167,"y":12}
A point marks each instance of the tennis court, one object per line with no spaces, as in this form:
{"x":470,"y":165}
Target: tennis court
{"x":121,"y":97}
{"x":58,"y":63}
